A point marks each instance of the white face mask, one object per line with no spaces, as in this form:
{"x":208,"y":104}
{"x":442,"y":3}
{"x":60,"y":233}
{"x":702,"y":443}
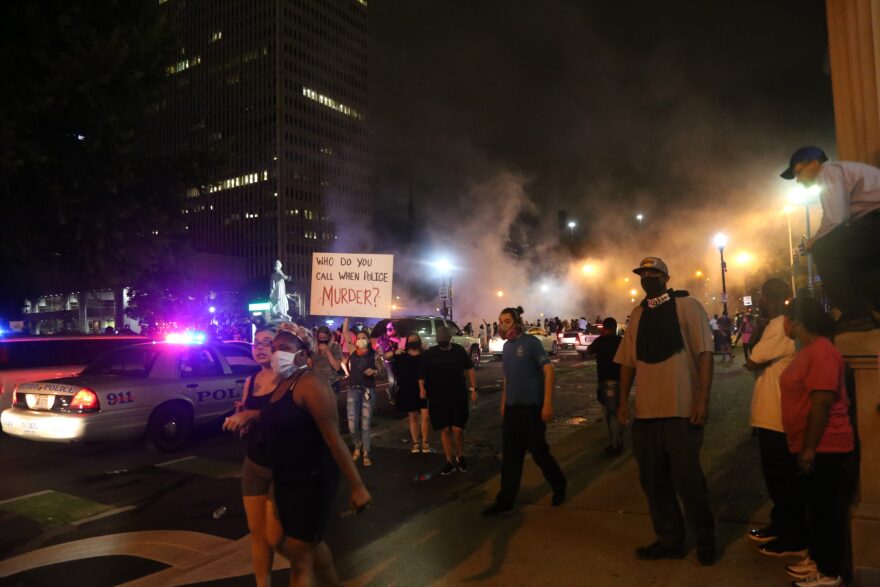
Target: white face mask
{"x":362,"y":343}
{"x":283,"y":363}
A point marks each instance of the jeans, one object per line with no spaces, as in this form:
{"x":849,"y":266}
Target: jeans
{"x":523,"y":430}
{"x":608,"y":394}
{"x":828,"y":490}
{"x":781,"y":474}
{"x":361,"y":402}
{"x":849,"y":265}
{"x":668,"y":453}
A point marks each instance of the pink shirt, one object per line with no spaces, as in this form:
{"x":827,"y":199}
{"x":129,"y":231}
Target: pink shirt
{"x":817,"y":367}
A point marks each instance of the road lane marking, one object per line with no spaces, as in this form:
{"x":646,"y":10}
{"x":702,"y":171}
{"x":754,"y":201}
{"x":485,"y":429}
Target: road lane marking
{"x":204,"y":467}
{"x":103,"y":515}
{"x":175,"y":461}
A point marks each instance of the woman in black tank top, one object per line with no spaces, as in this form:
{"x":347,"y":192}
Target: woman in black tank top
{"x":306,"y":452}
{"x":256,"y":475}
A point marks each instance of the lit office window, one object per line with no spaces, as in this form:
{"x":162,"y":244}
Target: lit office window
{"x":183,"y":65}
{"x":331,"y":103}
{"x":216,"y":36}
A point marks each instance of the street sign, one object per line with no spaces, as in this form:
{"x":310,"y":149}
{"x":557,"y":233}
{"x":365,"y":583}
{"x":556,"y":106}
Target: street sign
{"x":724,"y":298}
{"x":444,"y":292}
{"x":747,"y":300}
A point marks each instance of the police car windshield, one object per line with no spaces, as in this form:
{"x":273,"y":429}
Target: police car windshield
{"x":129,"y":362}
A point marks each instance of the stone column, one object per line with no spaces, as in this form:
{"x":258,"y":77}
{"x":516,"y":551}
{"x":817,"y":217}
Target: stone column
{"x":854,"y":51}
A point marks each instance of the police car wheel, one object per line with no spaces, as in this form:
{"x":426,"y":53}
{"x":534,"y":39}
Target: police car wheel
{"x":475,"y":357}
{"x":170,"y":428}
{"x":554,"y":349}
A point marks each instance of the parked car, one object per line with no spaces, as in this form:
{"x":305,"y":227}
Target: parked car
{"x":585,"y":339}
{"x":160,"y":389}
{"x":568,"y":339}
{"x":39,"y":358}
{"x":426,"y":327}
{"x":548,"y":341}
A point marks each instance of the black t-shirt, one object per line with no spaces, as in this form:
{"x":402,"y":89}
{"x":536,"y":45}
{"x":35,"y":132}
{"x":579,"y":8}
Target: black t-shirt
{"x":605,"y":347}
{"x":408,"y":369}
{"x":443,"y":372}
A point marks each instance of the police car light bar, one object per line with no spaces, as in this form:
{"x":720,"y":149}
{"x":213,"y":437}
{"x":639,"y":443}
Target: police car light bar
{"x":188,"y":337}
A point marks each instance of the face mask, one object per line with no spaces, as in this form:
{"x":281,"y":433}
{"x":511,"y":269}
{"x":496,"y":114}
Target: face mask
{"x":653,"y":286}
{"x":413,"y":345}
{"x":511,"y":334}
{"x":283,"y":363}
{"x":362,"y":344}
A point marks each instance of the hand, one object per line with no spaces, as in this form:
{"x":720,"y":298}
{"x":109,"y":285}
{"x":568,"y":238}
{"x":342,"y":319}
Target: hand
{"x":398,"y":352}
{"x":808,"y":244}
{"x":623,"y":414}
{"x":236,"y":422}
{"x":369,"y":372}
{"x":547,"y":412}
{"x":806,"y":460}
{"x":699,"y":414}
{"x":360,"y":499}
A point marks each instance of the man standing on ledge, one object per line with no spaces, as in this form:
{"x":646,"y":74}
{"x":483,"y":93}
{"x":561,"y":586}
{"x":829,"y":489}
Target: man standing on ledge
{"x":669,"y":347}
{"x":526,"y":407}
{"x":846,"y":245}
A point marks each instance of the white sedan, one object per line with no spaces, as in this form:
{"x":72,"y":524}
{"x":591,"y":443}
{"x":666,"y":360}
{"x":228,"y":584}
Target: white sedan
{"x":548,"y":341}
{"x":159,"y":389}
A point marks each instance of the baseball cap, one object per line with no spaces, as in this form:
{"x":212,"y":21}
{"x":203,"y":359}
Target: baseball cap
{"x":443,"y":335}
{"x":652,"y":263}
{"x":801,"y":155}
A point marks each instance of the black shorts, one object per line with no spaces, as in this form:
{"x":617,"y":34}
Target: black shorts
{"x":304,"y":501}
{"x":444,"y":414}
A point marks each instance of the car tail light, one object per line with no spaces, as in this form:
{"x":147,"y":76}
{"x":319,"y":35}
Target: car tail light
{"x":85,"y":400}
{"x":18,"y":400}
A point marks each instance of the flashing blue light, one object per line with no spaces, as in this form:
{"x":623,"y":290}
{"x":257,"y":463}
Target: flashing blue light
{"x":188,"y":337}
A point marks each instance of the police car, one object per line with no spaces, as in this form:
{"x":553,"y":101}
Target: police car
{"x":161,"y":389}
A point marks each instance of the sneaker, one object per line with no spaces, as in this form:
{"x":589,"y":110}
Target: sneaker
{"x":820,"y":580}
{"x":803,"y":569}
{"x":356,"y":454}
{"x":657,"y":551}
{"x":612,"y":451}
{"x":707,"y":553}
{"x":448,"y":469}
{"x":426,"y":448}
{"x":762,"y":535}
{"x":415,"y":449}
{"x":368,"y":462}
{"x":461,"y":464}
{"x":497,"y":510}
{"x":778,"y":547}
{"x":559,"y":495}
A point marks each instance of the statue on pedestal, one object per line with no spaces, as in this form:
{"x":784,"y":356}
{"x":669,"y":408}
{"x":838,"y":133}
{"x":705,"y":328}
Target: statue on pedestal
{"x":278,"y":294}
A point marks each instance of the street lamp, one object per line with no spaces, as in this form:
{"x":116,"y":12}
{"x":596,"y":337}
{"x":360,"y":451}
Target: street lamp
{"x":445,"y":268}
{"x":801,"y":195}
{"x":721,"y":242}
{"x":571,"y":225}
{"x":640,"y":217}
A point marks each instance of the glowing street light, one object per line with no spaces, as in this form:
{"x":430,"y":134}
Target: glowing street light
{"x":212,"y":309}
{"x":633,"y":292}
{"x":698,"y":273}
{"x":545,"y":288}
{"x":804,"y":196}
{"x":571,"y":225}
{"x":720,"y":241}
{"x":445,"y":268}
{"x":499,"y":293}
{"x":588,"y":269}
{"x":744,"y":258}
{"x":639,"y":218}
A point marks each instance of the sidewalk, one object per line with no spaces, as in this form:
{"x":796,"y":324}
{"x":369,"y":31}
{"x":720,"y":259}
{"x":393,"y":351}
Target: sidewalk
{"x":589,"y":540}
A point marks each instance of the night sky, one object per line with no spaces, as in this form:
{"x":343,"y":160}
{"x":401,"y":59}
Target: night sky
{"x":648,"y":105}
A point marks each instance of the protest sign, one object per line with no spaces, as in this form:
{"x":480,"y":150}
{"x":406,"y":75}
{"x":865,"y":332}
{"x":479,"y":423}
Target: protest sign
{"x":351,"y":284}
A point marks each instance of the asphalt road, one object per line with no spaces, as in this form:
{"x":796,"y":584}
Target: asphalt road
{"x":55,"y":494}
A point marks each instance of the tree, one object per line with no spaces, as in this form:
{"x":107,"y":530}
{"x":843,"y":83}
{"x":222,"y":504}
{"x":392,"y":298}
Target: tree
{"x":85,"y":204}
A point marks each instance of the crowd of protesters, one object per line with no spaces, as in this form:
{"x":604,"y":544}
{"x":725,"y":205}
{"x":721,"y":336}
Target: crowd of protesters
{"x":800,"y":410}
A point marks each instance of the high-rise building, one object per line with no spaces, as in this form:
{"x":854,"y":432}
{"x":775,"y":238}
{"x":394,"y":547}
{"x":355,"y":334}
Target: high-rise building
{"x":280,"y":88}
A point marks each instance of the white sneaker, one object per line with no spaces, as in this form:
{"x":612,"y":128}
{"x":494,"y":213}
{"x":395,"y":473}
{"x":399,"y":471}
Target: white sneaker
{"x":803,"y":570}
{"x":356,"y":454}
{"x":416,"y":449}
{"x":820,"y":580}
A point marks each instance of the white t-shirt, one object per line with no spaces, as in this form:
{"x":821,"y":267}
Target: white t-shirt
{"x":778,"y":350}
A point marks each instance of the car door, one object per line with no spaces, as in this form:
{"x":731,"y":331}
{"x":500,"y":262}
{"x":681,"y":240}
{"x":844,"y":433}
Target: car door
{"x":203,"y":379}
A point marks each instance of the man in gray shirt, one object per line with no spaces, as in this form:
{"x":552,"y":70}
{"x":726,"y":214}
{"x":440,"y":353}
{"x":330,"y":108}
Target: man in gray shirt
{"x":846,"y":244}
